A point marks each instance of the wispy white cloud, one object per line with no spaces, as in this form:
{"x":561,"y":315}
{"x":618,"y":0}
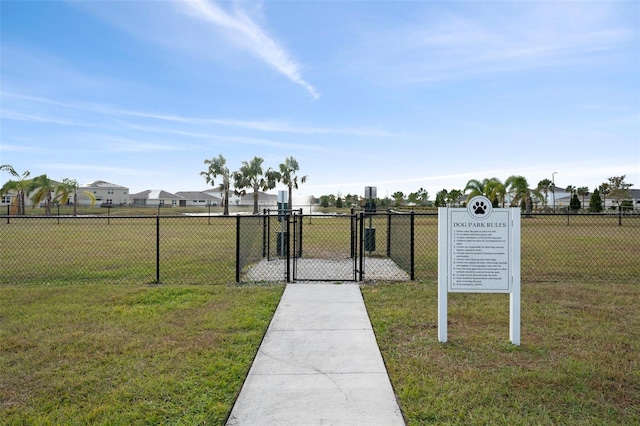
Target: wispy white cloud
{"x":251,"y":36}
{"x":19,"y":116}
{"x":438,"y":46}
{"x":8,"y":147}
{"x":260,"y":125}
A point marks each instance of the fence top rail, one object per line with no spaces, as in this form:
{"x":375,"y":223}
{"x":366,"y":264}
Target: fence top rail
{"x":106,"y":217}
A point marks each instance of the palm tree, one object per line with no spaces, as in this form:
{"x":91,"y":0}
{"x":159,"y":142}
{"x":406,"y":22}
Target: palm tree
{"x":69,"y":189}
{"x":536,"y":197}
{"x":492,"y":188}
{"x":20,"y":186}
{"x":43,"y":188}
{"x":519,"y":186}
{"x":544,"y":185}
{"x":251,"y":175}
{"x":287,"y":175}
{"x":582,"y":191}
{"x":217,"y":167}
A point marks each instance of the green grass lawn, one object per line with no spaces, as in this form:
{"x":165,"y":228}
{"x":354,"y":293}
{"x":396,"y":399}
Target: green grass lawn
{"x":109,"y":354}
{"x":578,"y":362}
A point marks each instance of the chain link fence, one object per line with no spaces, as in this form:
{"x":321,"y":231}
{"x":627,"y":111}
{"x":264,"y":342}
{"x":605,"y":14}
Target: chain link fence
{"x":555,"y":248}
{"x":214,"y":250}
{"x":145,"y":249}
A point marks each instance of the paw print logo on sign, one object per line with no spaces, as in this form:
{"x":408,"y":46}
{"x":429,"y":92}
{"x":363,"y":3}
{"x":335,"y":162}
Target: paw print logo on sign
{"x":479,"y":207}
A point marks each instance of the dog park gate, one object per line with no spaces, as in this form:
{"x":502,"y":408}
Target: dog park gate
{"x":291,"y":246}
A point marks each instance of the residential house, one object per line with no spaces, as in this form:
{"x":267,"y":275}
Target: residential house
{"x":198,"y":198}
{"x":105,"y":193}
{"x":155,"y":198}
{"x":608,"y":203}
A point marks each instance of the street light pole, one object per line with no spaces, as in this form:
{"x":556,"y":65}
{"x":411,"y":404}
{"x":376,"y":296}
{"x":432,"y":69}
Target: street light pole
{"x":553,"y":183}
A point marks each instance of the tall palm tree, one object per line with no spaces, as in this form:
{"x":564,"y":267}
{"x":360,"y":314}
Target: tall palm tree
{"x":492,"y":188}
{"x":288,"y":176}
{"x":544,"y":185}
{"x":20,"y":186}
{"x":519,"y":186}
{"x":44,"y":189}
{"x":67,"y":190}
{"x":250,"y":175}
{"x":582,"y":191}
{"x":536,"y":197}
{"x":217,"y":167}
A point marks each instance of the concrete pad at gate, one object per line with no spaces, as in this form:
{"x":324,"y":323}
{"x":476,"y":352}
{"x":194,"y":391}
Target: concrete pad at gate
{"x":319,"y":363}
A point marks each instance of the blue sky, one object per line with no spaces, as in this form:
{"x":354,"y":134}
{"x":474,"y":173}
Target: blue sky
{"x":393,"y":94}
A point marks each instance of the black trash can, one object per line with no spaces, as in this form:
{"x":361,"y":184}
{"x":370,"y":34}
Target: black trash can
{"x":370,"y":239}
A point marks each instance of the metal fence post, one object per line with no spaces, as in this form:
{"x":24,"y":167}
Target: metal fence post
{"x":389,"y":233}
{"x":299,"y":251}
{"x":265,"y":222}
{"x":237,"y":248}
{"x":619,"y":215}
{"x":412,"y":248}
{"x":158,"y":249}
{"x":287,"y":247}
{"x":361,"y":251}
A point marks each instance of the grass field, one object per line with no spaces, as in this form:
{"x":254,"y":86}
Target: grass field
{"x":578,"y":362}
{"x":98,"y":353}
{"x":87,"y":338}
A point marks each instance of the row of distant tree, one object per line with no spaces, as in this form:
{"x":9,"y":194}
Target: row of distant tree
{"x":515,"y":190}
{"x":251,"y":176}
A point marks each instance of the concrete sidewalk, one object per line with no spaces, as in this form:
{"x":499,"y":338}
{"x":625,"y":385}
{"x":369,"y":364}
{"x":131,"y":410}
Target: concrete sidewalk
{"x":319,"y":364}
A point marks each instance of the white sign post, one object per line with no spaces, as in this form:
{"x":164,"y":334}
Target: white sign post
{"x":479,"y":252}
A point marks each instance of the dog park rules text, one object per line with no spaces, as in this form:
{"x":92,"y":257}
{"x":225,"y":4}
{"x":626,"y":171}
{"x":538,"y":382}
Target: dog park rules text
{"x":479,"y":252}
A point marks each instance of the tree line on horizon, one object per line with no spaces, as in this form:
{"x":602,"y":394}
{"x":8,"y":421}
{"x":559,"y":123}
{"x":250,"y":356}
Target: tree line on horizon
{"x":495,"y":190}
{"x":252,"y":176}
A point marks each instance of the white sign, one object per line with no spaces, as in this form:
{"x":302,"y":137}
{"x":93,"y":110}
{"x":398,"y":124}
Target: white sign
{"x":479,"y":252}
{"x":479,"y":248}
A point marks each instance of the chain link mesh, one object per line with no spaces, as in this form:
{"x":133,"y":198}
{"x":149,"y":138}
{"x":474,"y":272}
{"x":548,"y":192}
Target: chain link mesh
{"x":202,"y":250}
{"x":400,"y":227}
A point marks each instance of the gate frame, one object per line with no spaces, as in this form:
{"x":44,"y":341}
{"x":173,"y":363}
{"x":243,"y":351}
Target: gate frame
{"x":357,"y":242}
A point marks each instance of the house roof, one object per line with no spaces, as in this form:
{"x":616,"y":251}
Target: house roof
{"x":197,"y":195}
{"x":101,"y":184}
{"x":155,"y":194}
